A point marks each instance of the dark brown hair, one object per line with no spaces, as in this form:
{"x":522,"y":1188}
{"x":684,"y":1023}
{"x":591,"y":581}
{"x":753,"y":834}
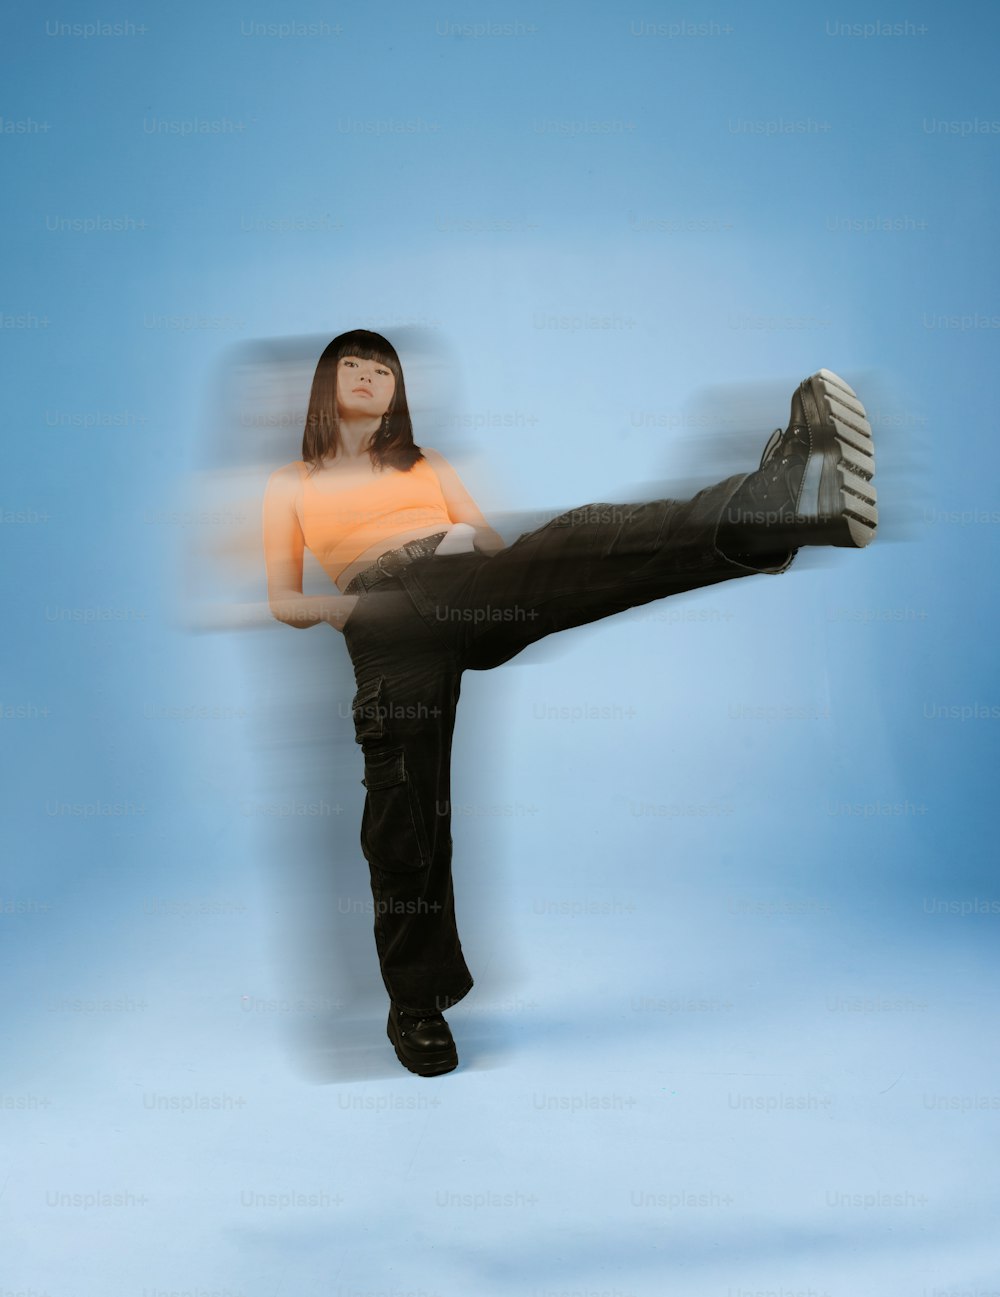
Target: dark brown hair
{"x":393,"y":443}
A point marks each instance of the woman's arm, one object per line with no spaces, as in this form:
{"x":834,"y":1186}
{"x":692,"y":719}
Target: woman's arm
{"x":461,"y":506}
{"x":283,"y":549}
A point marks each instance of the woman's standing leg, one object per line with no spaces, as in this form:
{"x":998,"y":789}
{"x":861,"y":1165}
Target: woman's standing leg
{"x":408,"y":686}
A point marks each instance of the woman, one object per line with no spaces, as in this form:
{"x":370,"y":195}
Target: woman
{"x":430,"y":590}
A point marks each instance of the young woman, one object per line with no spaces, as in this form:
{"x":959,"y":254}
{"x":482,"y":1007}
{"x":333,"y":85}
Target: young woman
{"x":430,"y":590}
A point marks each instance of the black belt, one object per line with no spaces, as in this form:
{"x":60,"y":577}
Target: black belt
{"x":389,"y":563}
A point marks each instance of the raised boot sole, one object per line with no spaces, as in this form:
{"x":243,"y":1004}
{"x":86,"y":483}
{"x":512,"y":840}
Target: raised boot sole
{"x":841,"y":508}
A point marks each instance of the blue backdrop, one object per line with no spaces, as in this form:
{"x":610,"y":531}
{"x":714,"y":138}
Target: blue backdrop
{"x":725,"y":864}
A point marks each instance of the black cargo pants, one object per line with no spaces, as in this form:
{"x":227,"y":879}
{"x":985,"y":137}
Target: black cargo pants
{"x":411,"y":637}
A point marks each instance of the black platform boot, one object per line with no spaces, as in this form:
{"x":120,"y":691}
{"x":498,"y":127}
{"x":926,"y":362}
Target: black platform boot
{"x":423,"y":1042}
{"x":813,"y":486}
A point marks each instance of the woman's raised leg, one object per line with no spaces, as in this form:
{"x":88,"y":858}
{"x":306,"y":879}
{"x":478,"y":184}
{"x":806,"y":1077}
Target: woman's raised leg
{"x":813,"y":487}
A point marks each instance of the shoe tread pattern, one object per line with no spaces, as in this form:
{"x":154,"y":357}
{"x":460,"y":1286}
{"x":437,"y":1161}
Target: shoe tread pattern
{"x":843,"y":415}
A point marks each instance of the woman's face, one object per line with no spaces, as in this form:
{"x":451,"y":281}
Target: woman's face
{"x":364,"y":387}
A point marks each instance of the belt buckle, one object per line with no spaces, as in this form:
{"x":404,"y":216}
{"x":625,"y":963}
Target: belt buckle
{"x":393,"y":565}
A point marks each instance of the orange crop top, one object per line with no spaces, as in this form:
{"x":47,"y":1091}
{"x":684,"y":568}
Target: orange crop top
{"x":339,"y":526}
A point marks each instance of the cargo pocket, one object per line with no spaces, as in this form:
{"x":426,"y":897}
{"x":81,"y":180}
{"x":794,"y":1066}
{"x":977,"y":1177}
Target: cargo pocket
{"x":368,"y":711}
{"x":393,"y":836}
